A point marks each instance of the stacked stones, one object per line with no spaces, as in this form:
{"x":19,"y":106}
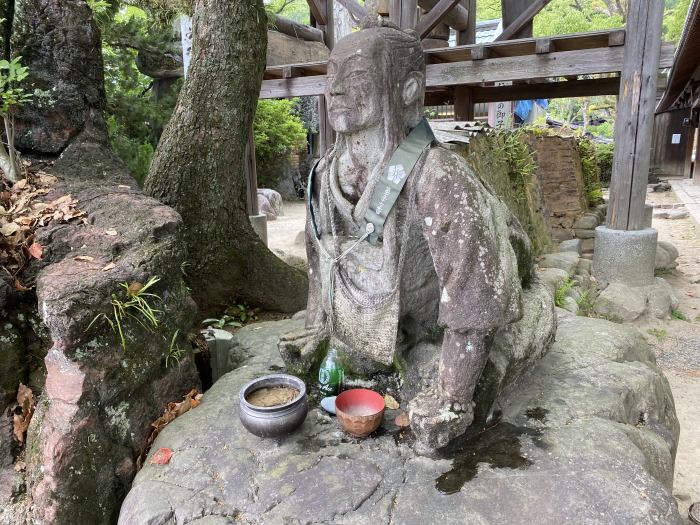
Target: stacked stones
{"x":584,"y":229}
{"x":568,"y":271}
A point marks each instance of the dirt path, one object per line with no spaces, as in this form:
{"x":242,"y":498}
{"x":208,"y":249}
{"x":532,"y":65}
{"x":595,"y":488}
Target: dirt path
{"x":282,"y":234}
{"x":677,"y":345}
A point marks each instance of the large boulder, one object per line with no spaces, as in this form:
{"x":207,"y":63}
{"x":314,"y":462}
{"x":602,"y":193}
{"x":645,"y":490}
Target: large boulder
{"x":594,"y":413}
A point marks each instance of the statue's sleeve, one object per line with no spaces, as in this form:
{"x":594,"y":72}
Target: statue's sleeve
{"x":315,"y":315}
{"x":467,"y":233}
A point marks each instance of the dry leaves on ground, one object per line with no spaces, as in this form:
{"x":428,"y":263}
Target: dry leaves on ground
{"x":390,"y":402}
{"x":26,"y":403}
{"x":22,"y":211}
{"x":172,"y":411}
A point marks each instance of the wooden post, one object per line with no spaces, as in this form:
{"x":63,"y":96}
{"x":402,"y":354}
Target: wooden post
{"x":464,"y":95}
{"x":688,"y":167}
{"x":635,"y":115}
{"x":326,"y":136}
{"x":512,"y":9}
{"x":404,"y":13}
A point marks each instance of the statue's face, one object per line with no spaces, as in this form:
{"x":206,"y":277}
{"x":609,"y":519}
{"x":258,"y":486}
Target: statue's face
{"x":354,"y":90}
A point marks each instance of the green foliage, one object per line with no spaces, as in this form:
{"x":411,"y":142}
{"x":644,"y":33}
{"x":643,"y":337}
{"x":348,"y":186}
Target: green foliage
{"x":677,"y":314}
{"x":561,"y":291}
{"x":133,"y":302}
{"x":234,"y":316}
{"x":564,"y":16}
{"x":136,"y":155}
{"x":488,"y":9}
{"x":604,"y":155}
{"x":675,"y":19}
{"x":590,"y":170}
{"x":297,"y":10}
{"x":659,"y":333}
{"x":520,"y":160}
{"x":278,"y":131}
{"x":12,"y":73}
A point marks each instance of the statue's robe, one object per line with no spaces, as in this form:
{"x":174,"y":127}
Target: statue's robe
{"x":459,"y":269}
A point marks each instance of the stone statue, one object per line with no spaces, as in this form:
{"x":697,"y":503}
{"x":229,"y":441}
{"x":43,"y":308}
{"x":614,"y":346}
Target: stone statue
{"x":442,"y":271}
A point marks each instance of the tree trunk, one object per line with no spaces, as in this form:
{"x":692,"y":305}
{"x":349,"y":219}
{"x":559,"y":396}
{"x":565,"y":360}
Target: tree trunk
{"x":199,"y":165}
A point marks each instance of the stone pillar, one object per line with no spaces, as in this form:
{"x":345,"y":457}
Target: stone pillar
{"x":626,"y":257}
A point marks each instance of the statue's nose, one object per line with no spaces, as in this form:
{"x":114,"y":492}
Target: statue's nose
{"x":335,"y":87}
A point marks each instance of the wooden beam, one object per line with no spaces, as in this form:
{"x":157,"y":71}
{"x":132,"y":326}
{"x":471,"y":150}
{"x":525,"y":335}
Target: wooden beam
{"x":557,"y":64}
{"x":635,"y":116}
{"x":522,"y":20}
{"x":318,"y":11}
{"x":616,"y":38}
{"x":409,"y":14}
{"x":251,"y":175}
{"x":544,"y":46}
{"x":355,"y":9}
{"x":457,"y":19}
{"x":463,"y":95}
{"x":480,"y":53}
{"x":428,"y":22}
{"x":297,"y":30}
{"x":549,"y":90}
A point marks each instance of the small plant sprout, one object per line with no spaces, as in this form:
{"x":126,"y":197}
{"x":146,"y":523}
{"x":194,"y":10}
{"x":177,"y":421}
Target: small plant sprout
{"x":677,"y":314}
{"x":175,"y":351}
{"x":12,"y":73}
{"x":561,"y":291}
{"x":133,"y":303}
{"x":235,"y":316}
{"x":659,"y":333}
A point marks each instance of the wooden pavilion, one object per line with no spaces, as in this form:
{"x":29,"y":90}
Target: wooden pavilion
{"x":676,"y":133}
{"x":623,"y":62}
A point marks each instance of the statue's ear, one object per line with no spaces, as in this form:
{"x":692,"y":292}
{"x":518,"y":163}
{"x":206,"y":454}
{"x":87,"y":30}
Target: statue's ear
{"x":413,"y":88}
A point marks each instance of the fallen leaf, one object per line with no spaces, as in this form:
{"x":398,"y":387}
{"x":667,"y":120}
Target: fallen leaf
{"x":9,"y":228}
{"x":36,"y":250}
{"x":111,"y":232}
{"x":109,"y":267}
{"x":20,"y":466}
{"x":26,"y":402}
{"x":84,"y":258}
{"x":172,"y":411}
{"x":135,"y":287}
{"x":19,"y":185}
{"x":162,"y":456}
{"x":402,"y":420}
{"x":390,"y":402}
{"x":124,"y":187}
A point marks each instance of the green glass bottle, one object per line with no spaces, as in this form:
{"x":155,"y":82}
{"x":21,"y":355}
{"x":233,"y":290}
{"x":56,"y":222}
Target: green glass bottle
{"x":331,"y":374}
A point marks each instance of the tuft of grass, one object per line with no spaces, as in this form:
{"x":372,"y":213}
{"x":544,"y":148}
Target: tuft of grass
{"x":659,"y":333}
{"x":677,"y":314}
{"x":613,"y":318}
{"x":561,"y":291}
{"x":132,"y":303}
{"x":175,"y":351}
{"x":584,"y":302}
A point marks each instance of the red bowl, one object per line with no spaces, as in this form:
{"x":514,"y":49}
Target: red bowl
{"x":360,"y":411}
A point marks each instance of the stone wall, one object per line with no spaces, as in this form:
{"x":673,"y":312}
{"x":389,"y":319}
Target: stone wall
{"x":561,"y":179}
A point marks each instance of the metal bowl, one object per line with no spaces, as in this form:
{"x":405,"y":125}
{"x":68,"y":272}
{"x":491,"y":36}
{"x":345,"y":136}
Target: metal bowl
{"x":359,"y":411}
{"x":278,"y":420}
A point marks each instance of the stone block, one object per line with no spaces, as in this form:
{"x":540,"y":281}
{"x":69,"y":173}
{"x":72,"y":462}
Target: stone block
{"x":661,"y":299}
{"x":626,"y":257}
{"x":621,"y":302}
{"x":588,"y":222}
{"x":566,"y":261}
{"x":573,"y":245}
{"x":552,"y":278}
{"x":585,"y":234}
{"x":259,"y":224}
{"x":669,"y":248}
{"x":585,"y":265}
{"x":588,"y":246}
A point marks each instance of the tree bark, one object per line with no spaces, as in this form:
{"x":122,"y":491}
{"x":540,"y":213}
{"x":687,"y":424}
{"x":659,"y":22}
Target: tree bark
{"x":199,"y":165}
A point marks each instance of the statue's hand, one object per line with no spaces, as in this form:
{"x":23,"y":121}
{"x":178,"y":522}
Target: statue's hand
{"x":299,"y":348}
